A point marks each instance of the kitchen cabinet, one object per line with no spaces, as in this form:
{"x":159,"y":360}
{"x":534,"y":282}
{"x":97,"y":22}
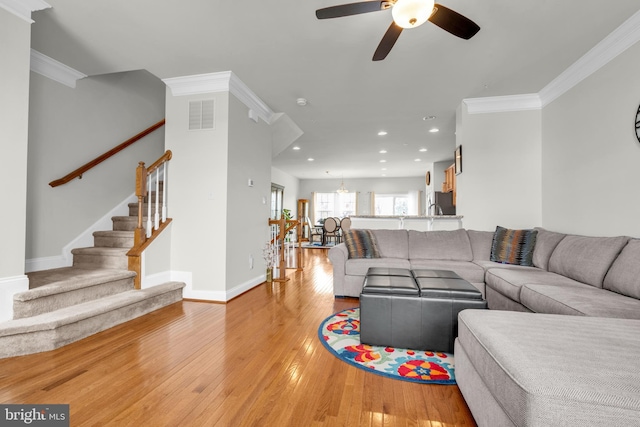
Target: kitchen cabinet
{"x":449,"y":184}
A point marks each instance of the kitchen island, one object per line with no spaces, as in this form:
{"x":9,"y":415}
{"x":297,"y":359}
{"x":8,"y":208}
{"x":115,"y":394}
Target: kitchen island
{"x":409,"y":222}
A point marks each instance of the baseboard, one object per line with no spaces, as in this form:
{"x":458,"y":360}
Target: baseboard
{"x":85,"y":239}
{"x":157,"y":279}
{"x":9,"y":286}
{"x":217,"y":296}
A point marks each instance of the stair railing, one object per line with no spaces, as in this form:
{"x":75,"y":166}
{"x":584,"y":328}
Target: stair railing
{"x":285,"y":252}
{"x":95,"y":162}
{"x":148,"y":189}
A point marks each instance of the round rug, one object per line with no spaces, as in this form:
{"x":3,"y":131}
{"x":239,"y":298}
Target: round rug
{"x":340,"y":334}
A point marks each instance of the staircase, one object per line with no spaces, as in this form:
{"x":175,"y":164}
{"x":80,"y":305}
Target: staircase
{"x":67,"y":304}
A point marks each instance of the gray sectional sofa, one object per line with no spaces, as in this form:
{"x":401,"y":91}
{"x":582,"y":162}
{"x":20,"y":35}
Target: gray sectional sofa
{"x":560,"y":344}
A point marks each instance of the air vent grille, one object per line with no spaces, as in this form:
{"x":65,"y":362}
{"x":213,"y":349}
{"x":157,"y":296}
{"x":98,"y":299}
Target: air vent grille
{"x":201,"y":115}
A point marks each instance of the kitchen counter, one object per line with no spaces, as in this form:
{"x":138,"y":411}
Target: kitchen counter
{"x":409,"y":222}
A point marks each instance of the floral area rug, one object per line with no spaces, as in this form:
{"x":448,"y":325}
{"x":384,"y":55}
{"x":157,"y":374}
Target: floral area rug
{"x":340,"y":334}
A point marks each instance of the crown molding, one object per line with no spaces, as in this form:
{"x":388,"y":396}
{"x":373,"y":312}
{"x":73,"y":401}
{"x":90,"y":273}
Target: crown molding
{"x":50,"y":68}
{"x":623,"y":37}
{"x":224,"y":81}
{"x":500,"y":104}
{"x":23,"y":8}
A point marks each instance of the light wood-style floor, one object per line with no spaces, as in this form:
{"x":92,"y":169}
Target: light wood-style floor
{"x":255,"y":361}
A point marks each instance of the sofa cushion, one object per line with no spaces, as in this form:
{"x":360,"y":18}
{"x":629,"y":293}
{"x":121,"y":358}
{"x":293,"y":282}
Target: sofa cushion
{"x":579,"y":301}
{"x":513,"y":246}
{"x":359,"y":267}
{"x":549,"y":370}
{"x":624,"y":275}
{"x":392,"y":243}
{"x":509,"y":281}
{"x":361,"y":244}
{"x":546,"y":243}
{"x":453,"y":245}
{"x":586,"y":259}
{"x":467,"y":270}
{"x":480,"y":244}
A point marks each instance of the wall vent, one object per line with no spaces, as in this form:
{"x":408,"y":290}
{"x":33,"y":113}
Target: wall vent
{"x":201,"y":115}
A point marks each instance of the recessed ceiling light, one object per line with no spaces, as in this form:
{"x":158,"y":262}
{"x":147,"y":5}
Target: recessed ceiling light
{"x":382,"y":133}
{"x":383,"y":161}
{"x":434,"y":130}
{"x":384,"y":169}
{"x":425,"y":118}
{"x":296,"y":148}
{"x":384,"y":174}
{"x":417,"y":160}
{"x":422,"y":150}
{"x":382,"y":151}
{"x":310,"y":159}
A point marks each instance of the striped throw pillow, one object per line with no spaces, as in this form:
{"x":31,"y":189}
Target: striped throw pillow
{"x":361,"y":244}
{"x":513,"y":246}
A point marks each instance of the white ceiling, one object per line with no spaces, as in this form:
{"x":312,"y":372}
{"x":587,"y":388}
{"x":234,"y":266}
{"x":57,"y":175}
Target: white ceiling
{"x":282,"y":52}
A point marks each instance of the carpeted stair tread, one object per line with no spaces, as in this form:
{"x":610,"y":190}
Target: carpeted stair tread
{"x":100,"y":251}
{"x":65,"y":279}
{"x":79,"y":312}
{"x":113,"y":239}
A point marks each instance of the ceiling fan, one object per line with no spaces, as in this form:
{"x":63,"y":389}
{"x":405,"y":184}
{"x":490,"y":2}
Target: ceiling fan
{"x":406,"y":14}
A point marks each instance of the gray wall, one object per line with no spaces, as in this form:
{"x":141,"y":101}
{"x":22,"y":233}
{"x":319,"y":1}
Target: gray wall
{"x":15,"y":36}
{"x":590,"y":154}
{"x":571,"y":167}
{"x":69,"y":127}
{"x":247,"y":220}
{"x":500,"y":179}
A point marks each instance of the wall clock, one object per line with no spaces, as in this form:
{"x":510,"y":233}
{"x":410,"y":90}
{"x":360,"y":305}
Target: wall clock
{"x":638,"y":124}
{"x":427,"y":177}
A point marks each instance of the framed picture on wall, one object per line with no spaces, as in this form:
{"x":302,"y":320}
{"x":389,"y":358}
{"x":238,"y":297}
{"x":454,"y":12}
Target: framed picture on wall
{"x":458,"y":157}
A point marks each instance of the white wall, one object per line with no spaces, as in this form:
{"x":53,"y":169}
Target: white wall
{"x":291,"y":186}
{"x":500,"y":183}
{"x":15,"y":34}
{"x":590,"y":154}
{"x":68,"y":128}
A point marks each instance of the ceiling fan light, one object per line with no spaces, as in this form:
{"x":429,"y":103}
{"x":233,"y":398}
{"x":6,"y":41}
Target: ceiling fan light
{"x":411,"y":13}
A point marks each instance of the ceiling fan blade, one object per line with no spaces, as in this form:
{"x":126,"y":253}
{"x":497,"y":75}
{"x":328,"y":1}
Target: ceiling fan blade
{"x":453,"y":22}
{"x":352,"y":9}
{"x":387,"y":42}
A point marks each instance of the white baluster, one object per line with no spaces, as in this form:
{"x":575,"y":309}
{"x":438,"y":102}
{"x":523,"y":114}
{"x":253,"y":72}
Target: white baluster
{"x":156,"y":216}
{"x":165,"y":165}
{"x":149,"y":224}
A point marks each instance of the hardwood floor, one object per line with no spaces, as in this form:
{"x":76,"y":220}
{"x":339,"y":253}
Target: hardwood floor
{"x":255,"y":361}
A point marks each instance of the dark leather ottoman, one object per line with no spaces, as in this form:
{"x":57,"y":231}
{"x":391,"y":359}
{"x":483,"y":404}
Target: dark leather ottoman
{"x":443,"y":294}
{"x":414,"y":309}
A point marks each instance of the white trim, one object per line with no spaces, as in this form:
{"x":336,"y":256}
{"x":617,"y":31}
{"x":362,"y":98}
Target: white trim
{"x":23,"y":8}
{"x":155,"y":279}
{"x":83,"y":240}
{"x":623,"y":37}
{"x":57,"y":71}
{"x":224,"y":81}
{"x":9,"y":286}
{"x":217,"y":296}
{"x":499,"y":104}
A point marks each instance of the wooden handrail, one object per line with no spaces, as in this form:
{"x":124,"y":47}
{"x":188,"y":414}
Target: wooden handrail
{"x":82,"y":169}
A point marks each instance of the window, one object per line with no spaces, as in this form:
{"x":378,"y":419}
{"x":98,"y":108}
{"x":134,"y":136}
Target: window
{"x":338,"y":205}
{"x":277,"y":194}
{"x":391,"y":204}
